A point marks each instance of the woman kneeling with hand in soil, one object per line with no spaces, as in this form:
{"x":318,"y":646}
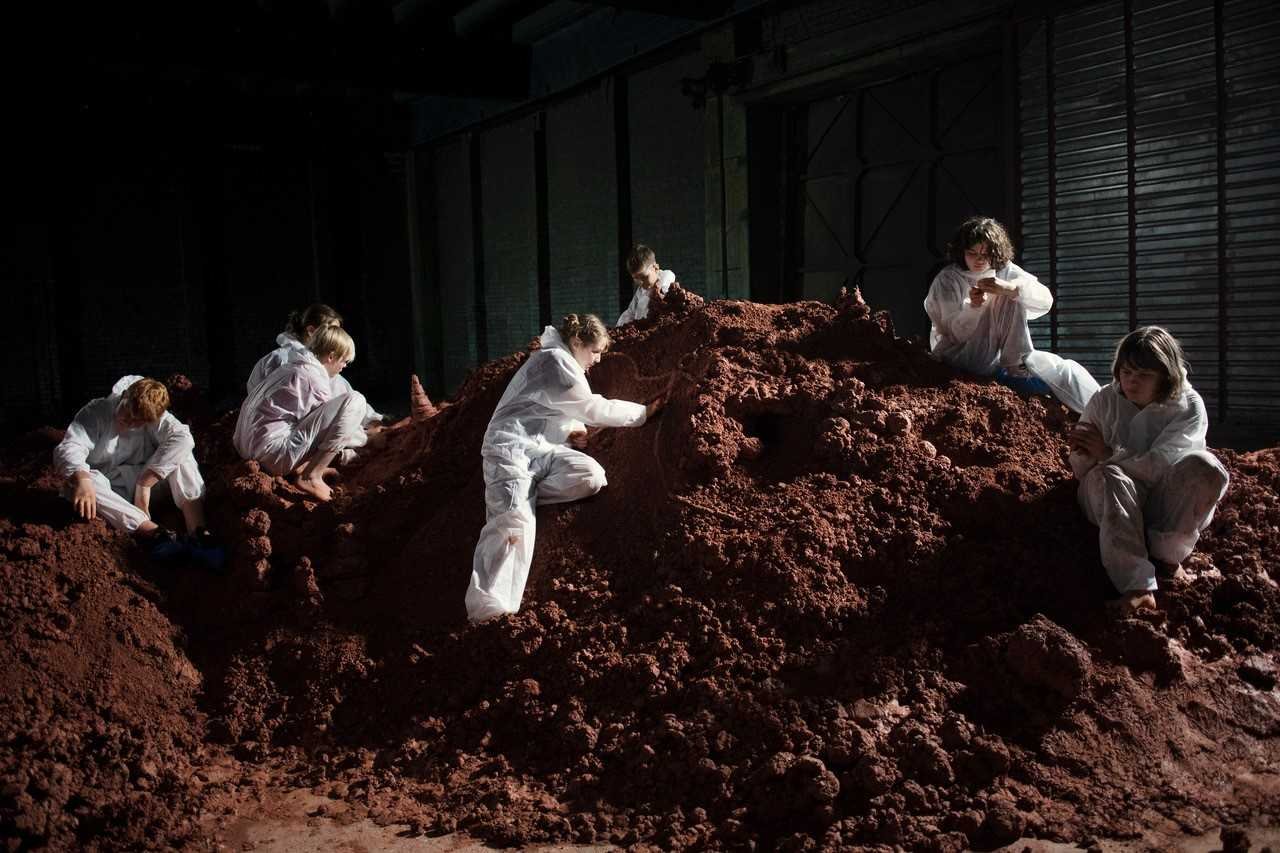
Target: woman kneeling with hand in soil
{"x":527,"y":461}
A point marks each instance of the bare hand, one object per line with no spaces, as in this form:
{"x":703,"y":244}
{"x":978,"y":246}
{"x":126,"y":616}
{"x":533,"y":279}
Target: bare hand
{"x":85,"y":499}
{"x":578,"y":439}
{"x":655,"y":405}
{"x":1087,"y":438}
{"x":976,"y":296}
{"x":996,"y":286}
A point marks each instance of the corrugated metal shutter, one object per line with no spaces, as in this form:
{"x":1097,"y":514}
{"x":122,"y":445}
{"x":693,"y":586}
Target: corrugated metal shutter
{"x":1251,"y":61}
{"x":1149,"y":161}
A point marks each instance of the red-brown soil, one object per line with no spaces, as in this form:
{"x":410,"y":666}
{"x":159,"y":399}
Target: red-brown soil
{"x":834,"y":594}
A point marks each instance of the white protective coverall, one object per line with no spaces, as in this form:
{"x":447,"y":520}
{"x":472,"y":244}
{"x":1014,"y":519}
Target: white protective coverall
{"x":995,"y":334}
{"x":1159,"y":488}
{"x":115,"y":460}
{"x":293,"y":414}
{"x":639,"y":307}
{"x":526,"y":462}
{"x":285,"y":344}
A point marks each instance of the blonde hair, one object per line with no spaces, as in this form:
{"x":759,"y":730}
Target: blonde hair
{"x":316,"y":315}
{"x":641,"y":256}
{"x":146,"y":400}
{"x":587,"y":328}
{"x":985,"y":230}
{"x":332,"y":340}
{"x":1153,"y":348}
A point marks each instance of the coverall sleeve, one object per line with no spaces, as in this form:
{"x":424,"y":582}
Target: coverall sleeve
{"x":629,"y":315}
{"x":1094,"y":413}
{"x":1034,"y":296}
{"x":174,"y":445}
{"x":72,"y":453}
{"x":571,"y":395}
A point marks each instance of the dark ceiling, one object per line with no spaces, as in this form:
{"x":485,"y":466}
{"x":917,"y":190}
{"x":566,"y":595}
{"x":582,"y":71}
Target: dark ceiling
{"x":464,"y":48}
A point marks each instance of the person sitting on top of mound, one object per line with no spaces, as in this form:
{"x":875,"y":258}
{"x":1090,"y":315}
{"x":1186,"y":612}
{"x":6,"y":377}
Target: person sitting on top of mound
{"x":294,"y":423}
{"x":298,"y":329}
{"x":648,"y":279}
{"x":527,"y":461}
{"x":980,"y":304}
{"x":1145,"y":476}
{"x":121,"y":447}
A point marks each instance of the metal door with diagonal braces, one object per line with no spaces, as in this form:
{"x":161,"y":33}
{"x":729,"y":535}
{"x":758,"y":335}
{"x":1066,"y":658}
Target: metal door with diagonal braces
{"x":890,"y":170}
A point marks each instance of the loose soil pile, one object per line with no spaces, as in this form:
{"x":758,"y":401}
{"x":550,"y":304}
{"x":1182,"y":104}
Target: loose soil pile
{"x":833,"y":595}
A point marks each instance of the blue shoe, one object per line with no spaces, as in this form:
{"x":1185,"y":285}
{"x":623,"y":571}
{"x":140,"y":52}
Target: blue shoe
{"x":206,"y":551}
{"x":1027,"y":385}
{"x":167,"y":546}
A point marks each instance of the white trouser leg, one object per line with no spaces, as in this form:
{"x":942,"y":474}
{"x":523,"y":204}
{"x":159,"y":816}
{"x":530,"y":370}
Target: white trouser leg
{"x":565,"y":475}
{"x":999,"y":338}
{"x":500,"y":565}
{"x":504,"y":553}
{"x":114,"y":508}
{"x":1068,"y":379}
{"x":330,"y":426}
{"x":1113,"y":500}
{"x":1182,"y":504}
{"x":184,"y":484}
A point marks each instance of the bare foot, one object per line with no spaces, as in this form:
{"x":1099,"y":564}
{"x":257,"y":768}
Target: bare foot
{"x":1169,"y":571}
{"x":1136,"y":605}
{"x":316,"y":486}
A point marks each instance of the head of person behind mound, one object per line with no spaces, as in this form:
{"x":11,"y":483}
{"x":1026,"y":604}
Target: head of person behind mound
{"x":642,"y":265}
{"x":980,"y":245}
{"x":142,"y":403}
{"x":1149,"y":366}
{"x":586,"y":337}
{"x":303,"y":324}
{"x":333,"y":347}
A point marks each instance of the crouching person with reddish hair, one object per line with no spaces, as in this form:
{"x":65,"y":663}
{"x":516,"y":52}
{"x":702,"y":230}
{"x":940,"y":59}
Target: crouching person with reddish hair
{"x":126,"y":448}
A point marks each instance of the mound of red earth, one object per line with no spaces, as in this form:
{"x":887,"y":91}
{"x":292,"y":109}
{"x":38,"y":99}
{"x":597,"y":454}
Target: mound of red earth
{"x":834,"y":594}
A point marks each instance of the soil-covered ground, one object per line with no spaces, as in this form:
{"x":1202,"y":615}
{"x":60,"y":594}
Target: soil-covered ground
{"x":834,"y":595}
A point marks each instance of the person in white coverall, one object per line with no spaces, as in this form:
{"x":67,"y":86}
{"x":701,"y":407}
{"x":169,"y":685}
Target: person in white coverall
{"x":293,"y":422}
{"x":123,"y":446}
{"x":1145,"y":476}
{"x":648,"y":279}
{"x":299,"y":328}
{"x":527,"y":461}
{"x":980,"y":305}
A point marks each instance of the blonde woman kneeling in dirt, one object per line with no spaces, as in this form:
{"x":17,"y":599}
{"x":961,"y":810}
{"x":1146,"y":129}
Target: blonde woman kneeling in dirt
{"x":293,"y":422}
{"x":527,"y":461}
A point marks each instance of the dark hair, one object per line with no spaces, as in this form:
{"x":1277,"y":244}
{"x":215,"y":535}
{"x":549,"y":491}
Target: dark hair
{"x":317,"y":314}
{"x":981,"y":229}
{"x":587,"y":328}
{"x":639,"y":257}
{"x":1153,"y":348}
